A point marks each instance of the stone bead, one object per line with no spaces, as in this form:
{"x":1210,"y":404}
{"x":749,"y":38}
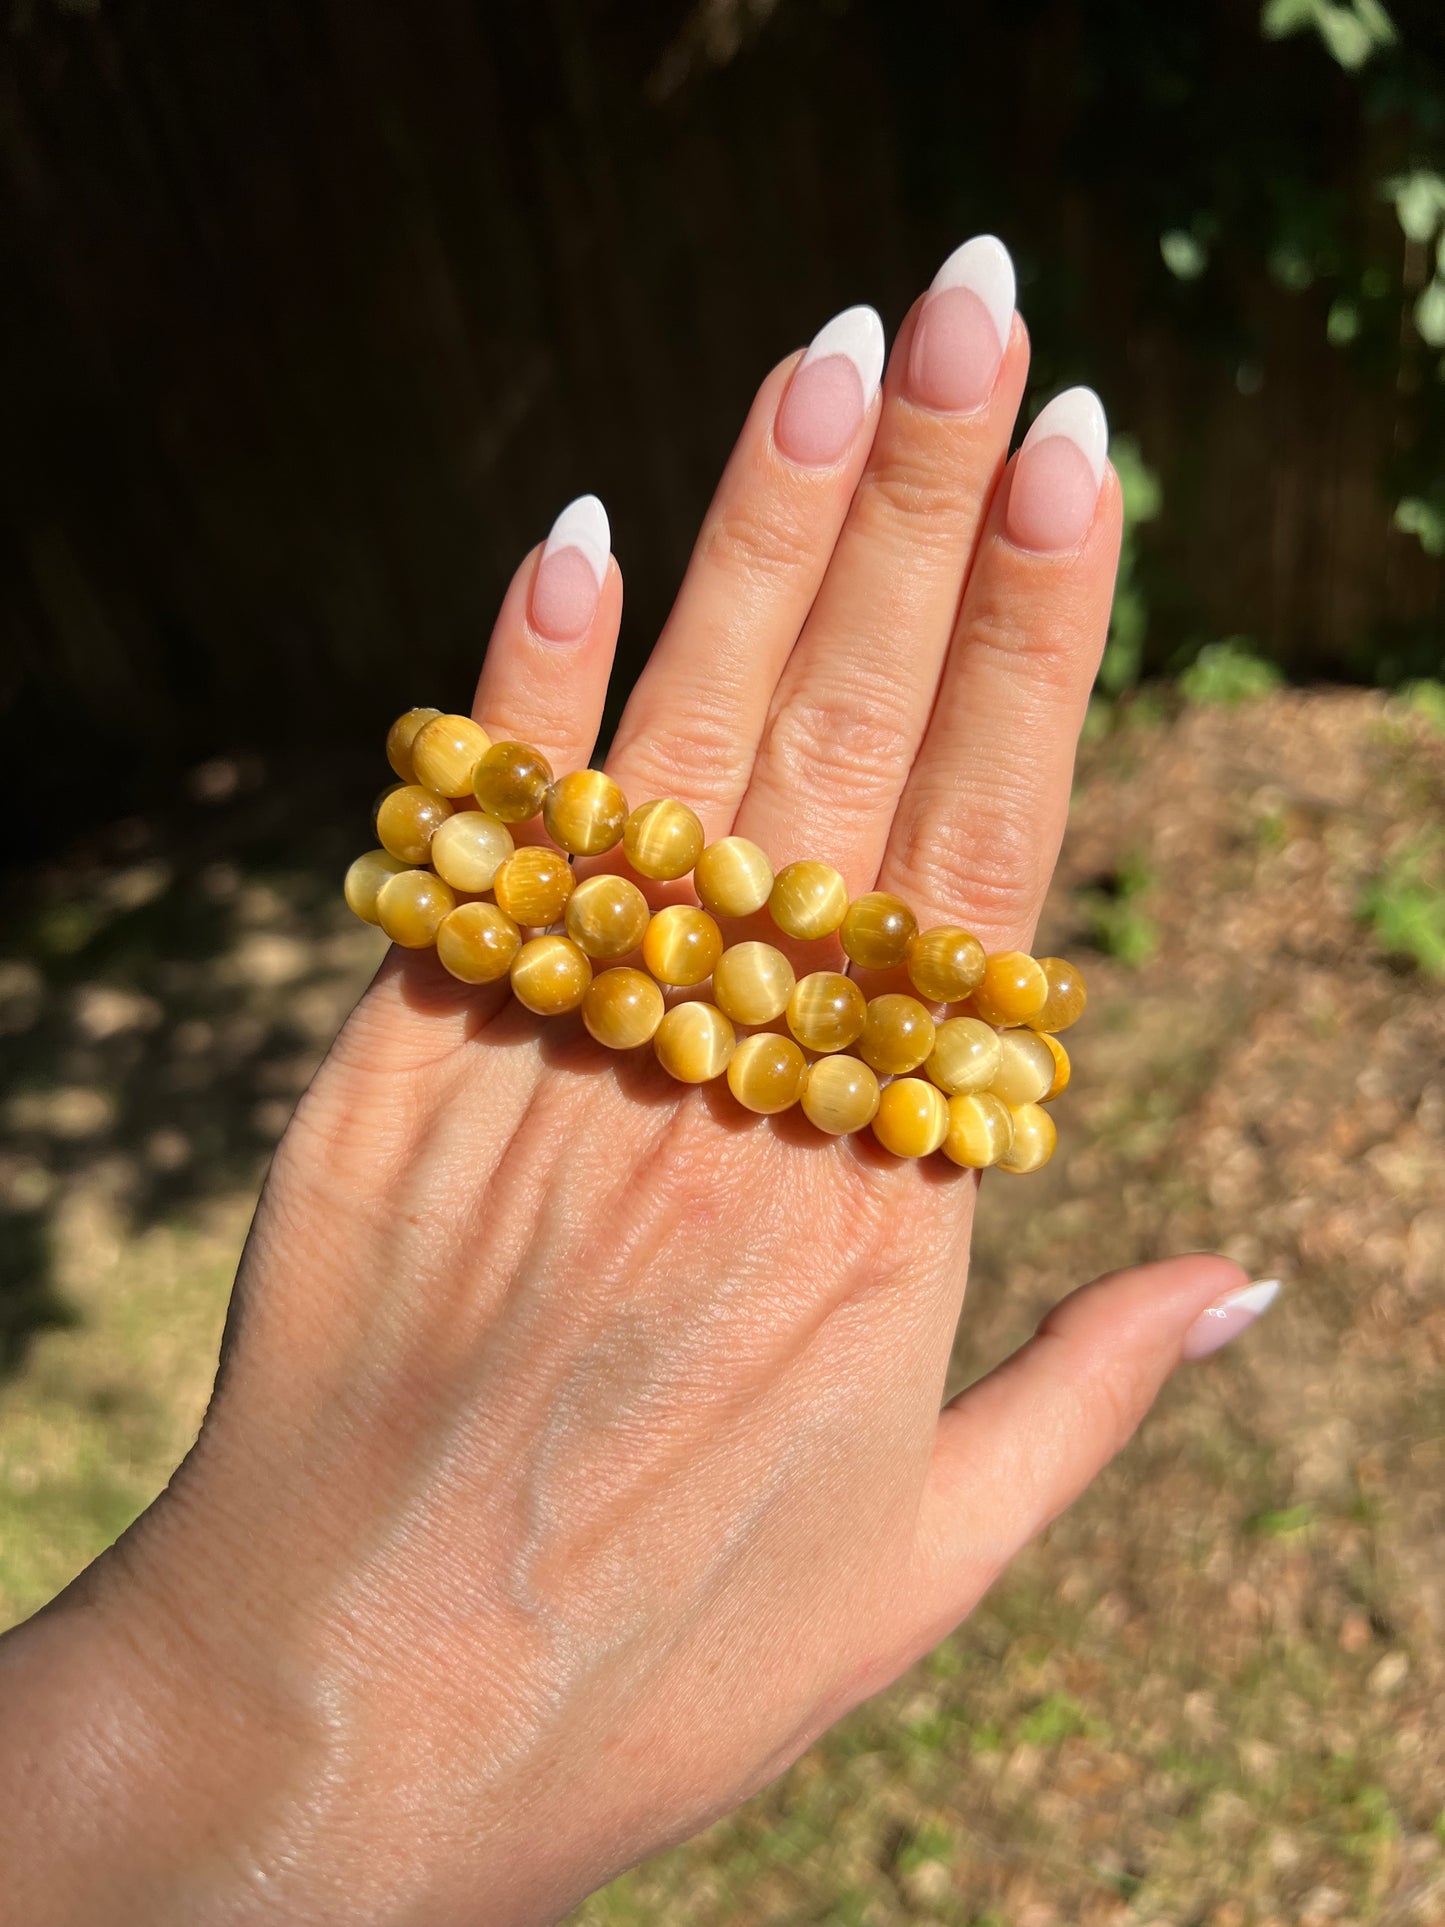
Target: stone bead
{"x":1067,"y":996}
{"x":808,"y":900}
{"x":1063,"y":1069}
{"x":694,"y":1043}
{"x":446,"y":751}
{"x":533,"y":885}
{"x":732,"y":877}
{"x":407,"y":820}
{"x":379,"y":799}
{"x":623,"y":1009}
{"x":897,"y":1034}
{"x":1025,"y":1068}
{"x":365,"y":878}
{"x":662,"y":839}
{"x":1035,"y":1135}
{"x":877,"y":930}
{"x":468,"y":850}
{"x":752,"y":982}
{"x":550,"y":975}
{"x":1014,"y":988}
{"x":410,"y":907}
{"x":510,"y":782}
{"x":980,"y":1129}
{"x":766,"y":1073}
{"x":912,"y":1118}
{"x":966,"y":1056}
{"x":477,"y":943}
{"x":585,"y":812}
{"x":681,"y":945}
{"x":606,"y":917}
{"x":400,"y":737}
{"x":945,"y":963}
{"x":840,"y":1094}
{"x":826,"y":1011}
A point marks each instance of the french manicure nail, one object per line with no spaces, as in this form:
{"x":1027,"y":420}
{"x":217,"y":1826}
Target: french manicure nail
{"x":1228,"y":1318}
{"x":832,"y":389}
{"x":1059,"y":470}
{"x":963,"y":327}
{"x":571,"y":572}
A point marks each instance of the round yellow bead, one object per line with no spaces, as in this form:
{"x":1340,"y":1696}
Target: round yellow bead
{"x":766,"y":1073}
{"x":966,"y":1056}
{"x":1025,"y":1068}
{"x":681,"y":945}
{"x":912,"y":1118}
{"x":606,"y":917}
{"x":401,"y":736}
{"x":408,"y":819}
{"x":1013,"y":990}
{"x":663,"y":840}
{"x":468,"y":850}
{"x":732,"y":877}
{"x":826,"y":1011}
{"x":808,"y":900}
{"x":694,"y":1043}
{"x":980,"y":1129}
{"x":752,"y":982}
{"x":510,"y":781}
{"x":365,"y":878}
{"x":550,"y":975}
{"x":410,"y":907}
{"x":380,"y":798}
{"x":1035,"y":1135}
{"x":1063,"y":1070}
{"x":623,"y":1009}
{"x":840,"y":1094}
{"x":533,"y":885}
{"x":877,"y":930}
{"x":446,"y":751}
{"x":585,"y":812}
{"x":946,"y":963}
{"x":1067,"y":996}
{"x":897,"y":1034}
{"x":476,"y":942}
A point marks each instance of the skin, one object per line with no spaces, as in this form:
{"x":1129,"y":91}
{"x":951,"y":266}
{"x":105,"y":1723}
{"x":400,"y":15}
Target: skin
{"x":576,"y":1456}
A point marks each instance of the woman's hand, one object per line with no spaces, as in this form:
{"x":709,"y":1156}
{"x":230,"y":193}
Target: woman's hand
{"x":576,"y":1456}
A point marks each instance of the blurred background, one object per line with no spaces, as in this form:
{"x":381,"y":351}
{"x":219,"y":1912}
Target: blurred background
{"x":314,"y":316}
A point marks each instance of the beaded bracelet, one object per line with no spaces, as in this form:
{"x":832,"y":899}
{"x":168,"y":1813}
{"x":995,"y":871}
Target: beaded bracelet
{"x":449,"y":874}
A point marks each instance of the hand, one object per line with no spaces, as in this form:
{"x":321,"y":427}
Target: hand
{"x":576,"y":1455}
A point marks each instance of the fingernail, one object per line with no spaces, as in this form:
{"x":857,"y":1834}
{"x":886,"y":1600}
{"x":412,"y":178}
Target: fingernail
{"x":963,"y":327}
{"x":1057,"y":475}
{"x":1228,"y":1318}
{"x":832,"y":389}
{"x":571,"y":572}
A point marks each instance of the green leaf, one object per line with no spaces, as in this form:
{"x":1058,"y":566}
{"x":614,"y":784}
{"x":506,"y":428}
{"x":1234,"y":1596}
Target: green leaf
{"x":1419,"y":200}
{"x":1280,"y":1523}
{"x":1343,"y":323}
{"x":1183,"y":256}
{"x":1424,"y":520}
{"x":1430,"y":313}
{"x":1229,"y":672}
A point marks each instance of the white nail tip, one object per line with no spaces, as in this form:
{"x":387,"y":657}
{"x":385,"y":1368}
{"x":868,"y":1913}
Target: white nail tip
{"x":1079,"y":415}
{"x":858,"y":334}
{"x":1251,"y":1298}
{"x":583,"y":525}
{"x":985,"y":267}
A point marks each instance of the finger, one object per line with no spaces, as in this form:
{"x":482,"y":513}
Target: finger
{"x":691,"y":726}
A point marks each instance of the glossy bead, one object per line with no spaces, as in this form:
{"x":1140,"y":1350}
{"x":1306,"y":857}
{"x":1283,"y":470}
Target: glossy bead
{"x":808,"y":900}
{"x":533,"y":885}
{"x":694,"y":1043}
{"x":840,"y":1094}
{"x":766,"y":1073}
{"x":585,"y":812}
{"x":662,"y":839}
{"x":980,"y":1129}
{"x":550,"y":975}
{"x":752,"y":982}
{"x":1014,"y":988}
{"x":1035,"y":1135}
{"x":1025,"y":1068}
{"x":446,"y":751}
{"x":912,"y":1118}
{"x":1063,"y":1070}
{"x":945,"y":963}
{"x":826,"y":1011}
{"x":732,"y":877}
{"x":365,"y":878}
{"x":410,"y":907}
{"x":468,"y":850}
{"x":623,"y":1008}
{"x":966,"y":1056}
{"x":1067,"y":996}
{"x":877,"y":930}
{"x":379,"y":799}
{"x":477,"y":943}
{"x":897,"y":1034}
{"x":401,"y":736}
{"x":510,"y":781}
{"x":681,"y":945}
{"x":407,"y":820}
{"x":606,"y":917}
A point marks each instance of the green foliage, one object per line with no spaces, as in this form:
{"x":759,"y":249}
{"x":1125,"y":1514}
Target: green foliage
{"x":1119,"y":923}
{"x":1352,"y":30}
{"x":1405,"y":907}
{"x":1229,"y":672}
{"x":1427,"y":699}
{"x":1424,"y":520}
{"x":1058,"y":1717}
{"x":1281,"y":1523}
{"x":1143,"y":498}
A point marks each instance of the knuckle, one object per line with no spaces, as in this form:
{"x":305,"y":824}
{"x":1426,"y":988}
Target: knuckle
{"x":753,"y":541}
{"x":694,"y":755}
{"x":908,"y":488}
{"x":982,"y":861}
{"x":1049,"y":654}
{"x":843,"y":741}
